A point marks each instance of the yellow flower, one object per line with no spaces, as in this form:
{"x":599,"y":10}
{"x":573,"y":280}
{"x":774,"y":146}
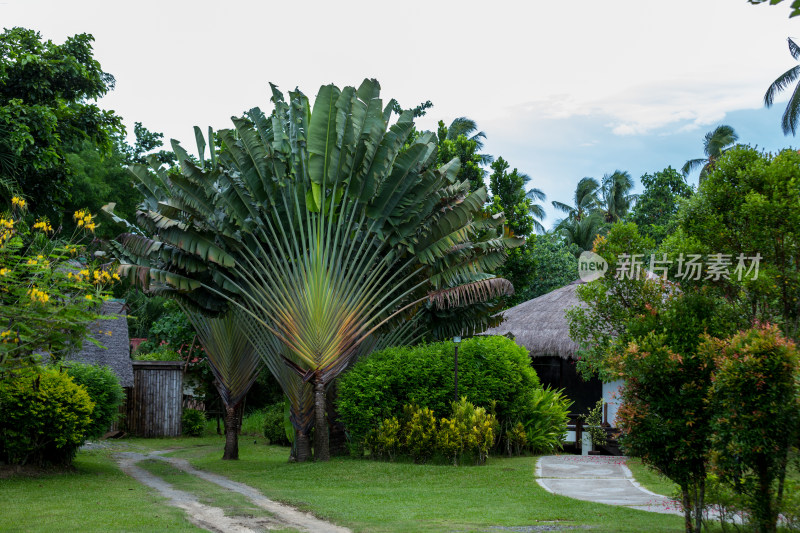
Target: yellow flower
{"x":3,"y":271}
{"x":43,"y":225}
{"x":88,"y":296}
{"x":116,"y":276}
{"x":38,"y":295}
{"x":16,"y":200}
{"x":32,"y":262}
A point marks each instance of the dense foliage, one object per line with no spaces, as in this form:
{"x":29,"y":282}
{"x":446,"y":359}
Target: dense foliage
{"x":49,"y":290}
{"x":756,"y":405}
{"x":493,"y":372}
{"x":105,"y":392}
{"x":470,"y":431}
{"x":193,"y":423}
{"x":45,"y":110}
{"x":657,"y":205}
{"x":44,"y":417}
{"x":750,"y":205}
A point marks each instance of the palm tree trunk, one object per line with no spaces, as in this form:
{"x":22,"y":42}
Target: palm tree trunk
{"x":322,"y":450}
{"x":233,"y":414}
{"x":303,"y":444}
{"x":337,"y":437}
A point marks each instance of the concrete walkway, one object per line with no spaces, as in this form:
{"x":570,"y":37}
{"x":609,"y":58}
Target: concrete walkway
{"x":599,"y":479}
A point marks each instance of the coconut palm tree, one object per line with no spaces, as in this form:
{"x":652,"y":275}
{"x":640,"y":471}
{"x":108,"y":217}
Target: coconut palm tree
{"x":323,"y":225}
{"x":791,"y":115}
{"x":715,"y":143}
{"x":581,"y":232}
{"x":615,"y":198}
{"x":584,"y":200}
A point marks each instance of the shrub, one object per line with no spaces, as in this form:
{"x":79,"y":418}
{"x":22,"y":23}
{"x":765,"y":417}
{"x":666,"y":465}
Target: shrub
{"x":193,"y":422}
{"x":44,"y":417}
{"x":469,"y":430}
{"x":756,"y":413}
{"x":490,"y":369}
{"x":104,"y":390}
{"x":159,"y":354}
{"x":274,"y":426}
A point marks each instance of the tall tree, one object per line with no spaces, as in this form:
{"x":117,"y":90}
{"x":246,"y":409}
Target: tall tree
{"x":322,"y":225}
{"x":461,"y":139}
{"x":233,"y":361}
{"x":659,"y":202}
{"x":509,"y":197}
{"x":584,"y":200}
{"x":791,"y":115}
{"x":45,"y":95}
{"x":715,"y":143}
{"x":615,"y":196}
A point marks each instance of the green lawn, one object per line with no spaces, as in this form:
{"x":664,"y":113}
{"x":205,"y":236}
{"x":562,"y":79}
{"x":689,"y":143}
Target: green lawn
{"x":650,"y":479}
{"x":364,"y":495}
{"x":398,"y":497}
{"x":95,"y":496}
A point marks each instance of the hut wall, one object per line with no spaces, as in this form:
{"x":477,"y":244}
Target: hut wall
{"x":560,"y":373}
{"x":155,"y":403}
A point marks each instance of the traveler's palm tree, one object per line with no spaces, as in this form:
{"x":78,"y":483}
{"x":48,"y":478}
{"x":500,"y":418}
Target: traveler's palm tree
{"x":234,"y":363}
{"x":584,"y":200}
{"x":615,"y":198}
{"x":791,"y":116}
{"x":328,"y":230}
{"x":715,"y":143}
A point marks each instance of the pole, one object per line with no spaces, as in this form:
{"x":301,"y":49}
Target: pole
{"x":455,"y":376}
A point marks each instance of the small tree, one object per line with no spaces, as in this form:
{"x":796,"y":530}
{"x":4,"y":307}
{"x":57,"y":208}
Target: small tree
{"x":756,"y":415}
{"x":665,"y":418}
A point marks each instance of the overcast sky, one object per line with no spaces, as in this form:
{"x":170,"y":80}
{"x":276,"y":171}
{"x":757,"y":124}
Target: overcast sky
{"x":562,"y":89}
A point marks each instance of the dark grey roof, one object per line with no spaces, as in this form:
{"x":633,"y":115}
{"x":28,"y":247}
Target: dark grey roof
{"x":116,"y":352}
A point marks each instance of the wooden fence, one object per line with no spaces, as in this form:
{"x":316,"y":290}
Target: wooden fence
{"x":155,"y":402}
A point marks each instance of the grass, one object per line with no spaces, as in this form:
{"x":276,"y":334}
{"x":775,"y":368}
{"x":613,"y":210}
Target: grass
{"x":650,"y":479}
{"x":399,"y":497}
{"x":94,"y":496}
{"x":232,"y":503}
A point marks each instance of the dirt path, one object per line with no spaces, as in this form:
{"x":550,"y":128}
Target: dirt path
{"x":213,"y":518}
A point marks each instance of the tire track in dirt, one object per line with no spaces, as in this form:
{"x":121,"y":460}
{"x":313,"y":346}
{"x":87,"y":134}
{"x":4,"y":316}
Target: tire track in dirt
{"x":213,"y":518}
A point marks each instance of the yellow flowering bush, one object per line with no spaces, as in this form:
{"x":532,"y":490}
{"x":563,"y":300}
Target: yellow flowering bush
{"x":48,"y":293}
{"x":470,"y":431}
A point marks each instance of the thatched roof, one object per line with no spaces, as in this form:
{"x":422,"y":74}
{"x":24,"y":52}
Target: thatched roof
{"x":116,"y":355}
{"x":540,"y":325}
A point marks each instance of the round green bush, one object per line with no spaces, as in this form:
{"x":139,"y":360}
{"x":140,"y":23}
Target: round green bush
{"x":44,"y":417}
{"x":104,"y":390}
{"x":493,"y":372}
{"x":193,"y":423}
{"x":274,"y":425}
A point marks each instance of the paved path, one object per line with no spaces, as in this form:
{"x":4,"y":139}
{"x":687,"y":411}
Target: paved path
{"x":599,"y":479}
{"x":213,"y":518}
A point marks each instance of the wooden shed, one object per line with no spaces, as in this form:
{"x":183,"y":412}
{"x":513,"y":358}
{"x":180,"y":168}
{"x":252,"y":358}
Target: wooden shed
{"x":155,"y":402}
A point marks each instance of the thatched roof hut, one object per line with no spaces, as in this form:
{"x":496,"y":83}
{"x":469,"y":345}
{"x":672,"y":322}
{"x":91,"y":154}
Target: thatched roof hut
{"x":540,"y":325}
{"x":116,"y":352}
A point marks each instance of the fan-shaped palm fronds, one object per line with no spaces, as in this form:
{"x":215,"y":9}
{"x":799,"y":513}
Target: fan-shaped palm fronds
{"x":791,"y":116}
{"x":233,"y":361}
{"x":715,"y":143}
{"x":324,"y":227}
